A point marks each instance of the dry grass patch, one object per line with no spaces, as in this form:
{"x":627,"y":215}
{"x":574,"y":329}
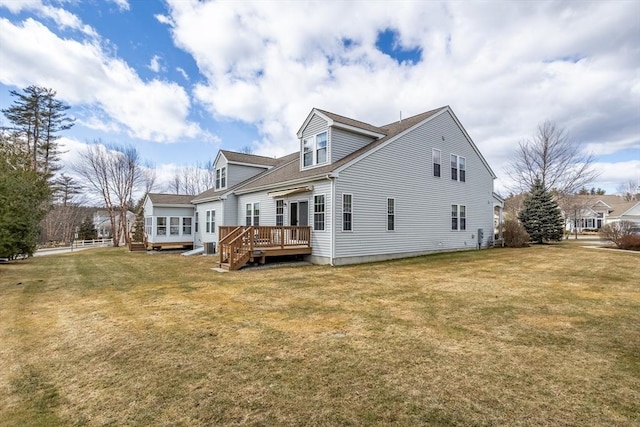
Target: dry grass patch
{"x":546,"y":335}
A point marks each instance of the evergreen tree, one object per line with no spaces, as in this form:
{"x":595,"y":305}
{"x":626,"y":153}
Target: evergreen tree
{"x":36,"y":117}
{"x":87,"y":229}
{"x":540,"y":215}
{"x":23,"y":201}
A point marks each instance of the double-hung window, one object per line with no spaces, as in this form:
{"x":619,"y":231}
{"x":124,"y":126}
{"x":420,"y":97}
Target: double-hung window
{"x":247,"y":215}
{"x":196,"y":222}
{"x":436,"y":162}
{"x":347,"y":209}
{"x":161,"y":227}
{"x":256,"y":214}
{"x":318,"y":212}
{"x":391,"y":214}
{"x":279,"y":213}
{"x":458,"y":217}
{"x":186,"y":226}
{"x":174,"y":226}
{"x":458,"y":168}
{"x":314,"y":150}
{"x":221,"y":178}
{"x":210,"y":223}
{"x":148,"y":225}
{"x":252,"y":211}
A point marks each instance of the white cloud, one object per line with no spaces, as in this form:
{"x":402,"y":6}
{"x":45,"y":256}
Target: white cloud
{"x":504,"y":67}
{"x":183,"y":73}
{"x":63,"y":18}
{"x":83,"y":73}
{"x":155,"y":64}
{"x":123,"y":5}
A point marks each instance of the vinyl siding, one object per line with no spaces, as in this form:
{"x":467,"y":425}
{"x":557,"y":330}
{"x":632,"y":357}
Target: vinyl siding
{"x":403,"y":170}
{"x":316,"y":125}
{"x":344,"y":142}
{"x":320,"y":240}
{"x":202,"y":208}
{"x":238,"y":173}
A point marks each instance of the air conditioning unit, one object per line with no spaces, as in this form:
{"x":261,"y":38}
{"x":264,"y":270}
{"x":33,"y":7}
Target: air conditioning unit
{"x":209,"y":248}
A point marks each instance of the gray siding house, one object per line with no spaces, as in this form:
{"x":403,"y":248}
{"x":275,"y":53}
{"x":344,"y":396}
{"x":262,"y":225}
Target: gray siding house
{"x":355,"y":192}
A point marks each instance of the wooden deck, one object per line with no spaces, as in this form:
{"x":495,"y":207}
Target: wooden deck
{"x":239,"y":245}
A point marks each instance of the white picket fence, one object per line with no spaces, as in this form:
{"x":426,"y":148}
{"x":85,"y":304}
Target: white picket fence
{"x":92,"y":243}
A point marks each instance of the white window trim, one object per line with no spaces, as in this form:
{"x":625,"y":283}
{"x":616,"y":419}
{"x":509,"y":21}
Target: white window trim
{"x":314,"y":150}
{"x":351,"y":229}
{"x":324,"y":212}
{"x":395,"y":224}
{"x":458,"y":163}
{"x":221,"y":178}
{"x":458,"y":218}
{"x":283,"y":210}
{"x":433,"y":163}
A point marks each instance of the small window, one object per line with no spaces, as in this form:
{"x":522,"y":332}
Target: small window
{"x":307,"y":151}
{"x":454,"y":167}
{"x":462,"y":166}
{"x":247,"y":217}
{"x":223,"y":177}
{"x":218,"y":179}
{"x":279,"y":213}
{"x":196,"y":222}
{"x":256,"y":214}
{"x":186,"y":226}
{"x":174,"y":226}
{"x":161,"y":228}
{"x":463,"y":217}
{"x":436,"y":162}
{"x":391,"y":214}
{"x":318,"y":213}
{"x":211,"y":222}
{"x":347,"y":212}
{"x":454,"y":217}
{"x":321,"y":148}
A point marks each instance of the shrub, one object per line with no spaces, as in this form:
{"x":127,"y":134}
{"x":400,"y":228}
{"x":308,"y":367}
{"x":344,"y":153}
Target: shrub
{"x":514,"y":234}
{"x":630,"y":242}
{"x":618,"y":232}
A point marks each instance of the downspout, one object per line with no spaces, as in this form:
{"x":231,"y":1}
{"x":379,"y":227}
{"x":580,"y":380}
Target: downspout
{"x":332,"y":178}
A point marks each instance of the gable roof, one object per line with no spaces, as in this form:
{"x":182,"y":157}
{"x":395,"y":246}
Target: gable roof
{"x":337,"y":120}
{"x":290,"y":172}
{"x":286,"y":170}
{"x":159,"y":199}
{"x":253,"y":159}
{"x":615,"y":205}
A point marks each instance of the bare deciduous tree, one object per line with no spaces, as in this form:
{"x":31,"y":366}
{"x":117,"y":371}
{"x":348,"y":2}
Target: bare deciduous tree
{"x":554,"y":158}
{"x":193,"y":179}
{"x":629,"y":190}
{"x":114,"y":173}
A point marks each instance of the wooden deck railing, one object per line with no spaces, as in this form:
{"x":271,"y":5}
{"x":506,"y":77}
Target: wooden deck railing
{"x":237,"y":244}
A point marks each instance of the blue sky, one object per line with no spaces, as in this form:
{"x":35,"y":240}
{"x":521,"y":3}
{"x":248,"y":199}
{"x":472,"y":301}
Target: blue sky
{"x":183,"y":78}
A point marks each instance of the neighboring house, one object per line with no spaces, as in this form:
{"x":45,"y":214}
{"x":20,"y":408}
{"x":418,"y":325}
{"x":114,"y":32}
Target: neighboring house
{"x":169,"y":221}
{"x":102,"y":224}
{"x":354,"y":192}
{"x":593,"y":212}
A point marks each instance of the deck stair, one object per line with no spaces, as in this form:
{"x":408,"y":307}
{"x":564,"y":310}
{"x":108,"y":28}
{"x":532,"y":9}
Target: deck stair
{"x":137,"y":247}
{"x":240,"y":245}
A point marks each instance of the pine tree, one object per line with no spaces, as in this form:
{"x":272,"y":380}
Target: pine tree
{"x":23,"y":202}
{"x":36,"y":117}
{"x":540,"y":215}
{"x":87,"y":229}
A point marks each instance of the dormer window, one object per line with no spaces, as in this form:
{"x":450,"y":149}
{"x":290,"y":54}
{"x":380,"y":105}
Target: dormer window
{"x":221,"y":178}
{"x":314,"y":150}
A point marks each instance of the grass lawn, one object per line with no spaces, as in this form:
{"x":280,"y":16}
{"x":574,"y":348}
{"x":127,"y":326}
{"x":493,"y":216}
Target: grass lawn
{"x":547,"y":335}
